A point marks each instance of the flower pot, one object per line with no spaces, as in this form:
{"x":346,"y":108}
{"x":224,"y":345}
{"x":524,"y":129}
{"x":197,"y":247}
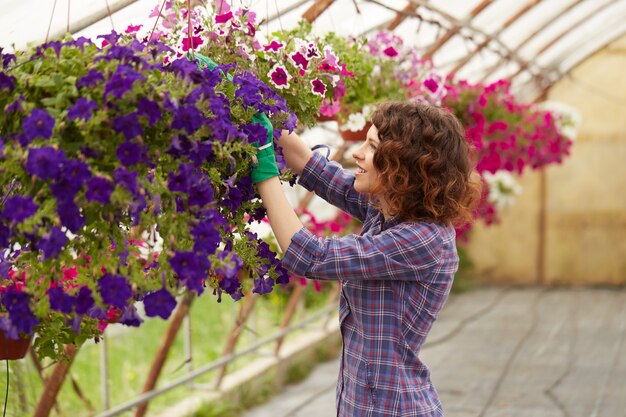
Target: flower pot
{"x":358,"y":136}
{"x":13,"y":349}
{"x":322,"y":118}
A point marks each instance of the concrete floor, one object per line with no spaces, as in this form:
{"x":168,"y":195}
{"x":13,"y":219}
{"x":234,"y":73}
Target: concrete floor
{"x":500,"y":352}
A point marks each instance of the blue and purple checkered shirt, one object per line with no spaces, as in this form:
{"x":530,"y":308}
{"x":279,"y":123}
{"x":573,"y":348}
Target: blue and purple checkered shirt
{"x":395,"y":278}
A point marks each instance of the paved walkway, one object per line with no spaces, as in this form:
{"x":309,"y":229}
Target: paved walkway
{"x":508,"y":352}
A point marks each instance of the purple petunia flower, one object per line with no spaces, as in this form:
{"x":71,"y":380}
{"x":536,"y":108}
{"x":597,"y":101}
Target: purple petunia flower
{"x":129,"y":153}
{"x":16,"y":303}
{"x":16,"y":106}
{"x":318,"y":87}
{"x":10,"y":331}
{"x":45,"y":162}
{"x":6,"y":58}
{"x":84,"y":300}
{"x":82,"y":109}
{"x":17,"y":208}
{"x":91,"y":79}
{"x":76,"y":171}
{"x":128,"y":125}
{"x":188,"y":118}
{"x":248,"y":89}
{"x":121,"y":82}
{"x":180,"y":182}
{"x":256,"y":133}
{"x":7,"y":82}
{"x":188,"y":265}
{"x":70,"y":216}
{"x":201,"y":152}
{"x":150,"y":110}
{"x":51,"y":244}
{"x":263,"y":285}
{"x":231,"y":285}
{"x":60,"y":301}
{"x":130,"y":317}
{"x":206,"y":237}
{"x":99,"y":189}
{"x":127,"y":179}
{"x":159,"y":303}
{"x":200,"y":194}
{"x":115,"y":290}
{"x":38,"y":124}
{"x":191,"y":269}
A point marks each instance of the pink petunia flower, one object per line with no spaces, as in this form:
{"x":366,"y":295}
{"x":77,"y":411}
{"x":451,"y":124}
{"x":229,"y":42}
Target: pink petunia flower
{"x":279,"y":76}
{"x":318,"y":87}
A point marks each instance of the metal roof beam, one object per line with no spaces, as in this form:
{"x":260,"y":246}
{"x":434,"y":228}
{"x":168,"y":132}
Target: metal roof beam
{"x":400,"y":17}
{"x":566,"y":31}
{"x":316,"y":10}
{"x":532,"y":35}
{"x":502,"y":28}
{"x":456,"y":28}
{"x":510,"y":53}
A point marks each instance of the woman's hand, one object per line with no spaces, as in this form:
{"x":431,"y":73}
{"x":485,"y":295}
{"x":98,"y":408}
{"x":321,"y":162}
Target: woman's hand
{"x":295,"y":151}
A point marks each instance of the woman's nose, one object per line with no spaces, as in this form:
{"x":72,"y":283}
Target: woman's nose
{"x":358,"y":153}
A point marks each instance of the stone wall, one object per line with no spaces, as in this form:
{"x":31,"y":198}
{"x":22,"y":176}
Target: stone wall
{"x":584,"y":238}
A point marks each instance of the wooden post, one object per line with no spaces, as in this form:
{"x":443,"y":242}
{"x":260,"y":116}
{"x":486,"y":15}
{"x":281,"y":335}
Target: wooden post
{"x":297,"y":293}
{"x":242,"y":317}
{"x":43,"y":378}
{"x":55,"y":382}
{"x":164,"y":348}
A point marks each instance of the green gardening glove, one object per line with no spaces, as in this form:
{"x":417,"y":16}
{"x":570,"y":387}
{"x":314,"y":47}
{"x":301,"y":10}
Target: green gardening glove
{"x":265,"y":165}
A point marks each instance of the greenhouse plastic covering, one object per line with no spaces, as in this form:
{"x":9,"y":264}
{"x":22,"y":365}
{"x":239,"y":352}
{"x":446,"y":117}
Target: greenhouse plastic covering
{"x":534,"y":43}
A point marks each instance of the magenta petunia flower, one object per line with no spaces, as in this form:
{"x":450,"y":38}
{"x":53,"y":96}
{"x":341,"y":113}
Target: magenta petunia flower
{"x":391,"y":52}
{"x":273,"y":46}
{"x":318,"y":87}
{"x":196,"y":41}
{"x":279,"y":76}
{"x":300,"y":60}
{"x":431,"y":84}
{"x":223,"y":18}
{"x":132,"y":29}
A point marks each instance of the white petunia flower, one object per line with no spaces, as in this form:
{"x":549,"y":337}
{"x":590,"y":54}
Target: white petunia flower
{"x":356,"y":122}
{"x":503,"y":188}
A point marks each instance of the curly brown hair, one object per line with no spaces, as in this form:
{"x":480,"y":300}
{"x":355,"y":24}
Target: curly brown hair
{"x":424,"y":164}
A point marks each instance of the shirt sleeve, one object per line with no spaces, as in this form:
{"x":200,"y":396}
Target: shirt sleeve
{"x":334,"y":184}
{"x":403,"y":253}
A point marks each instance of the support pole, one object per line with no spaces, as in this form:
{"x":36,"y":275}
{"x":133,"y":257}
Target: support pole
{"x":242,"y":317}
{"x":55,"y":382}
{"x":296,"y":295}
{"x":164,"y":349}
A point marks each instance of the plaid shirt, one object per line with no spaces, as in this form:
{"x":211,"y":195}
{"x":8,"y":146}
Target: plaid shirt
{"x":395,"y":278}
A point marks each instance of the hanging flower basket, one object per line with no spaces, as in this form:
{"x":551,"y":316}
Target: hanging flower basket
{"x":158,"y":209}
{"x":355,"y":136}
{"x":13,"y":349}
{"x":322,"y":118}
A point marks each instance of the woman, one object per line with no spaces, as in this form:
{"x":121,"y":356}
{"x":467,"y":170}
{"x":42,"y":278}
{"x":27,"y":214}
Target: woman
{"x":411,"y":185}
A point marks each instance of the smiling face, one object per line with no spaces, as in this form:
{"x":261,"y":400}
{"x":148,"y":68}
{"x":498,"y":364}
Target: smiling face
{"x":366,"y":174}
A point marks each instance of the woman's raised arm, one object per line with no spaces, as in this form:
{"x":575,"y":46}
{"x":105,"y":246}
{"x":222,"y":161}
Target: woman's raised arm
{"x":296,"y":153}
